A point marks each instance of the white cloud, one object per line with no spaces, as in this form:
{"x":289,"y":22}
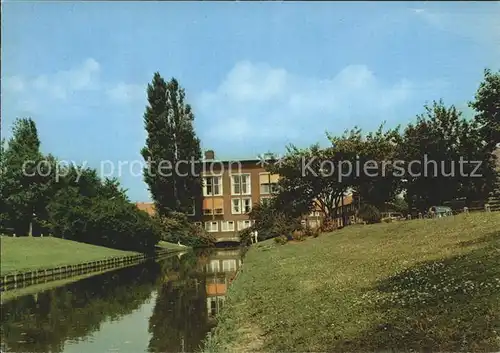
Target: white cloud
{"x":13,"y":83}
{"x":72,"y":88}
{"x":259,"y":101}
{"x":123,"y":92}
{"x":55,"y":86}
{"x":241,"y":82}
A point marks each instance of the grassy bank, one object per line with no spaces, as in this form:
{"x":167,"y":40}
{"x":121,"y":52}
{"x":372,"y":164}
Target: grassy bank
{"x":29,"y":253}
{"x":170,"y":246}
{"x":422,"y":284}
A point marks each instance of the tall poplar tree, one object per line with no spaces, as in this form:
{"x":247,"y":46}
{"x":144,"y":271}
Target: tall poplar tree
{"x":171,"y":147}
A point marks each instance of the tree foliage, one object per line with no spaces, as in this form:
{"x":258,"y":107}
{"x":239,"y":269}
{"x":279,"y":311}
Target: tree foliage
{"x":371,"y":177}
{"x":177,"y":228}
{"x":487,"y":107}
{"x":444,"y":144}
{"x":270,"y":222}
{"x":440,"y":157}
{"x":22,"y":184}
{"x":67,"y":202}
{"x":171,"y":146}
{"x":319,"y":178}
{"x":370,"y":214}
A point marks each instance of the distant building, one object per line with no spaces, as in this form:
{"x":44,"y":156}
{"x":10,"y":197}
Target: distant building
{"x":346,"y":212}
{"x":231,"y":188}
{"x":149,"y":207}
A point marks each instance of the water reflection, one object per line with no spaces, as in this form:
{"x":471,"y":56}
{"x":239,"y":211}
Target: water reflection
{"x":165,"y":306}
{"x":220,"y":271}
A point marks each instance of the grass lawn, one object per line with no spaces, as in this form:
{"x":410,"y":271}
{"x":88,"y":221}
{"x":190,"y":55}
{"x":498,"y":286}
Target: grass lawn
{"x":423,"y":285}
{"x":29,"y":253}
{"x":171,"y":246}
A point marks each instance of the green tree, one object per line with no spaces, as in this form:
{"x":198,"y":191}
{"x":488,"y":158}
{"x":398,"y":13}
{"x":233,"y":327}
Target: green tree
{"x":370,"y":214}
{"x":320,"y":177}
{"x":171,"y":142}
{"x":437,"y":150}
{"x":177,"y":228}
{"x":398,"y":204}
{"x":270,"y":222}
{"x":4,"y":218}
{"x":372,"y":178}
{"x":23,"y":177}
{"x":104,"y":217}
{"x":308,"y":180}
{"x":487,"y":106}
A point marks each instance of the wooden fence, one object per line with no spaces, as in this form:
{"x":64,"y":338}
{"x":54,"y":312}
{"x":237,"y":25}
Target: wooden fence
{"x":27,"y":278}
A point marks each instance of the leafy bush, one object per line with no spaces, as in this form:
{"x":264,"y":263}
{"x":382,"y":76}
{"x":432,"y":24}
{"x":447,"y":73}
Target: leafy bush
{"x":178,"y":228}
{"x":328,"y":226}
{"x":113,"y":223}
{"x":370,"y":214}
{"x":311,"y":232}
{"x":246,"y":236}
{"x":271,"y":223}
{"x":281,"y":240}
{"x":298,"y":235}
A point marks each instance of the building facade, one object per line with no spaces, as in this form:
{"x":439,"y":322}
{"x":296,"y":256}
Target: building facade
{"x":230,"y":190}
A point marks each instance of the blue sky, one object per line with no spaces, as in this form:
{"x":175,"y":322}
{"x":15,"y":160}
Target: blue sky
{"x":258,"y":75}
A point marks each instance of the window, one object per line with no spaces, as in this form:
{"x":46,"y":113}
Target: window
{"x":212,"y":226}
{"x":214,"y":304}
{"x":240,"y":184}
{"x":227,"y":226}
{"x":228,"y":265}
{"x":244,"y":224}
{"x":269,"y":188}
{"x":191,"y":209}
{"x":214,"y":266}
{"x":212,"y":186}
{"x":213,"y":206}
{"x":268,"y":183}
{"x":239,"y":206}
{"x":314,"y":214}
{"x":247,"y":205}
{"x":236,"y":206}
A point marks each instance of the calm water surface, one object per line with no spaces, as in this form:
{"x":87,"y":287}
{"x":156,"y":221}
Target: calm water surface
{"x":163,"y":306}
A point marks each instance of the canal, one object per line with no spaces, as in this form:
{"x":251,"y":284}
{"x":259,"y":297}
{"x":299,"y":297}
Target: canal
{"x":167,"y":305}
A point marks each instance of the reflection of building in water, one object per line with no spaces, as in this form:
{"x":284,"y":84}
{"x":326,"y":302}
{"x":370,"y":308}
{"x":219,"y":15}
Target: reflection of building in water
{"x":221,"y":270}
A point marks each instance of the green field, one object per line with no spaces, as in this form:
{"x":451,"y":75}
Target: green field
{"x":426,"y":285}
{"x":29,"y":253}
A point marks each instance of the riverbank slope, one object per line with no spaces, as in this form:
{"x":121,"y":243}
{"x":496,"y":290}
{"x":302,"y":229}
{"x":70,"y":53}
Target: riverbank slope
{"x":30,"y":253}
{"x":421,"y":284}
